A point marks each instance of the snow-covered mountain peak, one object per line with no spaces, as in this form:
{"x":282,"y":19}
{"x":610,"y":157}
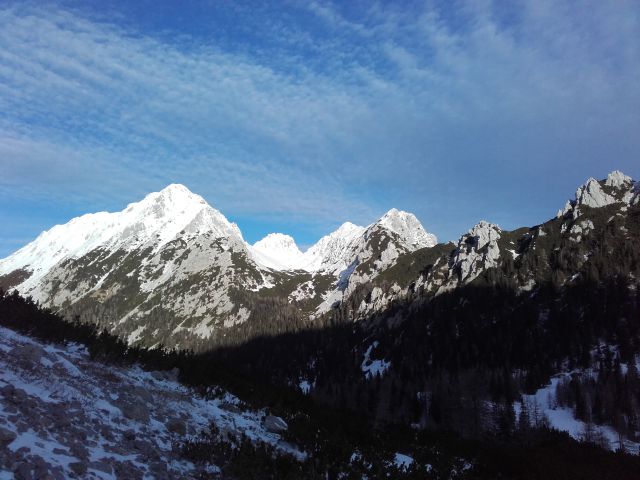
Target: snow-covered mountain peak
{"x":277,"y":241}
{"x":332,"y":252}
{"x":154,"y":221}
{"x":347,"y":229}
{"x":408,"y":227}
{"x":278,"y":251}
{"x":171,"y":200}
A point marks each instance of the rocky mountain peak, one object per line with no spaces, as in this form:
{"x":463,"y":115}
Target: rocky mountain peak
{"x":482,"y":234}
{"x":278,"y":241}
{"x":175,"y":200}
{"x":408,"y":228}
{"x":333,"y":252}
{"x":153,"y":222}
{"x":477,"y":250}
{"x":618,"y":179}
{"x":593,"y":195}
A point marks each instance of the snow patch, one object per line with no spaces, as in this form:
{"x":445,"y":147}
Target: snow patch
{"x":372,"y":368}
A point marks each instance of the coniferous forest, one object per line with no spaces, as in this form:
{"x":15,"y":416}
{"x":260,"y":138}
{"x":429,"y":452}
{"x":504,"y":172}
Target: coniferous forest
{"x":460,"y":391}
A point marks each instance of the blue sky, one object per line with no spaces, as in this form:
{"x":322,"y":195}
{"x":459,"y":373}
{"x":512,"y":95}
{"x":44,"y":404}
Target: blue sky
{"x":298,"y":116}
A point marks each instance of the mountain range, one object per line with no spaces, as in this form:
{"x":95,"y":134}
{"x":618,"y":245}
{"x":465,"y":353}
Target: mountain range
{"x":173,"y":256}
{"x":171,"y":270}
{"x":498,"y":338}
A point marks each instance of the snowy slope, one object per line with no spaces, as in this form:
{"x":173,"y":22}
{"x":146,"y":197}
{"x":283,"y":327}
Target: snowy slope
{"x":544,"y":405}
{"x":334,"y":253}
{"x":278,"y":251}
{"x":62,"y":413}
{"x":156,"y":220}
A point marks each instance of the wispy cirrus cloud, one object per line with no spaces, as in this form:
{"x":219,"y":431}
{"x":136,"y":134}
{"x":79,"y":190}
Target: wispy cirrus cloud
{"x":323,"y":112}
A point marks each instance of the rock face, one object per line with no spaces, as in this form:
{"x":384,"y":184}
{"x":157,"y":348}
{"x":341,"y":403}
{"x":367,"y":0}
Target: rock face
{"x":521,"y":258}
{"x":66,"y":416}
{"x":477,"y":251}
{"x":592,"y":195}
{"x":332,"y":253}
{"x":617,"y":179}
{"x":619,"y":187}
{"x":6,"y":437}
{"x":275,"y":424}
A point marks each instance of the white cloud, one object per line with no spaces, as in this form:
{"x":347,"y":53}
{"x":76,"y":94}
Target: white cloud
{"x":385,"y":106}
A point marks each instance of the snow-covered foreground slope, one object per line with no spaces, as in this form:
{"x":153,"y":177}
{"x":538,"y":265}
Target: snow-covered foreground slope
{"x":543,"y":406}
{"x":65,"y":415}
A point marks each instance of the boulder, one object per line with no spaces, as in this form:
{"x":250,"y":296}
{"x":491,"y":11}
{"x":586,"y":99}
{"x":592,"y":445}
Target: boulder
{"x":6,"y":437}
{"x":134,"y":410}
{"x":79,"y":468}
{"x":275,"y":424}
{"x":23,"y":471}
{"x":141,"y":393}
{"x":7,"y":391}
{"x":30,"y":354}
{"x":176,"y":425}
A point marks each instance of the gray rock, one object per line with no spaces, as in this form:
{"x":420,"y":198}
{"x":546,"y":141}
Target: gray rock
{"x":176,"y":425}
{"x":41,"y":467}
{"x":134,"y":410}
{"x":79,"y":468}
{"x":101,"y":466}
{"x":79,"y":451}
{"x":141,"y":393}
{"x":6,"y":437}
{"x":23,"y":471}
{"x":7,"y":391}
{"x":29,"y":354}
{"x":275,"y":424}
{"x":127,"y":470}
{"x":14,"y":395}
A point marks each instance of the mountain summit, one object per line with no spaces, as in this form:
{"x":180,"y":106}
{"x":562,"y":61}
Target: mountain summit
{"x":277,"y":251}
{"x":170,"y":267}
{"x":336,"y":251}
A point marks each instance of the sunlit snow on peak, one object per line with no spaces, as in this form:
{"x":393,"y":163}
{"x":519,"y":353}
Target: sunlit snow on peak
{"x":157,"y":219}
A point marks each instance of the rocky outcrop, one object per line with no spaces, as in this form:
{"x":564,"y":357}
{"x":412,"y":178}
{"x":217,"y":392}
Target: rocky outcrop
{"x":619,"y":189}
{"x":476,"y":251}
{"x":275,"y":424}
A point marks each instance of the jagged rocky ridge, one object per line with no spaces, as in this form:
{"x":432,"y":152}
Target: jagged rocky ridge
{"x":462,"y":335}
{"x":557,"y":250}
{"x":172,"y":270}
